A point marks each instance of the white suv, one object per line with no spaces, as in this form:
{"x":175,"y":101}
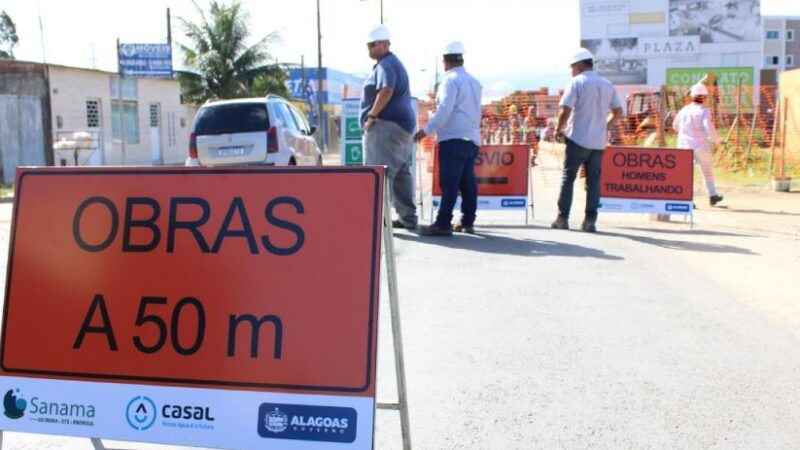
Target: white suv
{"x":252,"y":131}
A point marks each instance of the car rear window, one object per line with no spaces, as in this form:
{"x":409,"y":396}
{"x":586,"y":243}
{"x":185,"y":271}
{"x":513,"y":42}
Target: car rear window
{"x":233,"y":118}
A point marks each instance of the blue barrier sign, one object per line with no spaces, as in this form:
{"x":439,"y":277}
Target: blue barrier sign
{"x":145,"y":60}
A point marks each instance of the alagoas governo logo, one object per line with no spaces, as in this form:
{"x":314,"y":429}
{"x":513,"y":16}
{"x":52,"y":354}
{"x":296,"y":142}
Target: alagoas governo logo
{"x":307,"y":422}
{"x":13,"y":405}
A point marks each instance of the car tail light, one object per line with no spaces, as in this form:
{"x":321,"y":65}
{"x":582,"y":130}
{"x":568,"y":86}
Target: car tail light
{"x":272,"y":140}
{"x":192,"y":146}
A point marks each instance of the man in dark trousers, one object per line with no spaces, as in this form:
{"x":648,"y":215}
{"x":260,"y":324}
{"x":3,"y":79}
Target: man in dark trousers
{"x":457,"y":123}
{"x":584,"y":120}
{"x":388,"y":121}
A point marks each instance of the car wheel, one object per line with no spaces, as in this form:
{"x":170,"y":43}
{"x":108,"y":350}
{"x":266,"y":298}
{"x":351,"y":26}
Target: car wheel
{"x":292,"y":162}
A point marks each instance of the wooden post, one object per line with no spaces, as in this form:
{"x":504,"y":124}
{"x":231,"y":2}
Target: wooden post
{"x":750,"y":138}
{"x":774,"y":133}
{"x":738,"y":148}
{"x":783,"y":137}
{"x":662,"y":116}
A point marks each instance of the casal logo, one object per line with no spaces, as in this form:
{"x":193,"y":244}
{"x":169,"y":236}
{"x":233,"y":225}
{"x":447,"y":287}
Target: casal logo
{"x":141,"y":413}
{"x":14,"y":407}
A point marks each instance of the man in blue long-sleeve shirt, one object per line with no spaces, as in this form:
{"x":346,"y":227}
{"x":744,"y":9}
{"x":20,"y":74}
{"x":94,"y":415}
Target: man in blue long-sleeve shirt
{"x":457,"y":123}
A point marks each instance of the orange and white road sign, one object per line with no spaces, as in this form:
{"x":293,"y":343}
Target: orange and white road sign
{"x":502,"y":175}
{"x":256,"y":283}
{"x":647,"y":180}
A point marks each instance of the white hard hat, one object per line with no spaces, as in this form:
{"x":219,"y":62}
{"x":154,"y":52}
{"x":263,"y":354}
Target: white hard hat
{"x":698,"y":89}
{"x":379,"y":33}
{"x":454,"y":48}
{"x":582,"y":54}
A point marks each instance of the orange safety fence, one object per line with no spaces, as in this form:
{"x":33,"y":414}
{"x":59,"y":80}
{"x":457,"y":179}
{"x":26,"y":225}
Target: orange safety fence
{"x":745,"y":118}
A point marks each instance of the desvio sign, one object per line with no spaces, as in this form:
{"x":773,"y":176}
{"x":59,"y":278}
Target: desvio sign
{"x":194,"y":306}
{"x":647,"y":180}
{"x":502,"y":175}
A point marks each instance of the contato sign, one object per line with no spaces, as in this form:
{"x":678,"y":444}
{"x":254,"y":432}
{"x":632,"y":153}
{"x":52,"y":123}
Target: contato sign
{"x":647,"y":180}
{"x":179,"y":299}
{"x":502,"y":175}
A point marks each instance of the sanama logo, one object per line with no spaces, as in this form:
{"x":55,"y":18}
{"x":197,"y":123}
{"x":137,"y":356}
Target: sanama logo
{"x":14,"y":407}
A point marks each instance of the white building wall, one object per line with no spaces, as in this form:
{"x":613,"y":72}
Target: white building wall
{"x":72,"y":87}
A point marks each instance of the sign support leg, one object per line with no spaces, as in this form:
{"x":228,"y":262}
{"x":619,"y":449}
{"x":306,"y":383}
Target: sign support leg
{"x":419,"y":183}
{"x":394,"y":306}
{"x":98,"y":444}
{"x":530,"y":187}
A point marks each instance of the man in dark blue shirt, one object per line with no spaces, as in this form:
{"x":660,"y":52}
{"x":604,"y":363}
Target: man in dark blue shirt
{"x":388,"y":122}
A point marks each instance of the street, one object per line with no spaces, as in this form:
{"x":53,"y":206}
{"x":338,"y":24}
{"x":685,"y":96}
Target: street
{"x":645,"y":335}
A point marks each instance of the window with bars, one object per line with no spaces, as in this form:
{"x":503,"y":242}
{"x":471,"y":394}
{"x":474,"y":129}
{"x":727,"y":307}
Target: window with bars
{"x":92,"y":114}
{"x":153,"y":115}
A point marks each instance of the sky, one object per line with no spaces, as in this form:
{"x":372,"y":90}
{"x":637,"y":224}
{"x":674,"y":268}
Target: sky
{"x":510,"y":44}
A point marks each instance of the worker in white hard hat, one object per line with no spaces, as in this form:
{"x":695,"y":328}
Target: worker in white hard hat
{"x":588,"y":109}
{"x":696,"y":130}
{"x":457,"y":124}
{"x":388,"y":121}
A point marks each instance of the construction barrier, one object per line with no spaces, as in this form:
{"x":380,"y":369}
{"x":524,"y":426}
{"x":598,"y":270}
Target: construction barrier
{"x":502,"y":175}
{"x":647,"y":180}
{"x":747,"y":117}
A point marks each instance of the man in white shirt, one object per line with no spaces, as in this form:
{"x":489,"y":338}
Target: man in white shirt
{"x":696,"y":131}
{"x":584,"y":119}
{"x":457,"y":123}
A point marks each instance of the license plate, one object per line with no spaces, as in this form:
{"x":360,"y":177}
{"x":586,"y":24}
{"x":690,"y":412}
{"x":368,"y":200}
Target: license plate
{"x":230,"y":151}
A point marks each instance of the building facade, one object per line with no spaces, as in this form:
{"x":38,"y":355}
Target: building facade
{"x":151,"y":128}
{"x":46,"y":106}
{"x":781,"y":47}
{"x":652,"y":42}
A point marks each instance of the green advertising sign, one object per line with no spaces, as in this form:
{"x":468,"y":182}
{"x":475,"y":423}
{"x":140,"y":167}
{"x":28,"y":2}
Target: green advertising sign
{"x":352,"y":129}
{"x":728,"y":80}
{"x":353,"y":154}
{"x":352,"y":148}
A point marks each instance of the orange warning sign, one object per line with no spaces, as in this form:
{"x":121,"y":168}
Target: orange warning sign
{"x":257,"y":278}
{"x":499,"y":170}
{"x":647,"y":173}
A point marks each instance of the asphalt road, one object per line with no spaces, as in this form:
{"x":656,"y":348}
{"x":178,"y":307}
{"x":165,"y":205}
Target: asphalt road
{"x":645,"y":335}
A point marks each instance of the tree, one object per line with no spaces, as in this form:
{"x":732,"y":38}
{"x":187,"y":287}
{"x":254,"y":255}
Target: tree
{"x":219,"y":61}
{"x":8,"y":36}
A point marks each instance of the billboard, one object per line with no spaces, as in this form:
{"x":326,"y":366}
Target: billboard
{"x":716,"y":21}
{"x":194,"y":306}
{"x":636,"y":42}
{"x":728,"y":80}
{"x":145,"y":60}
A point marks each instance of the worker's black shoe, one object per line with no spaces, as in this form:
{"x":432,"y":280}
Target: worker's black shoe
{"x":433,"y":230}
{"x":714,"y":199}
{"x":589,"y":226}
{"x":400,"y":224}
{"x":560,"y":223}
{"x":461,"y":228}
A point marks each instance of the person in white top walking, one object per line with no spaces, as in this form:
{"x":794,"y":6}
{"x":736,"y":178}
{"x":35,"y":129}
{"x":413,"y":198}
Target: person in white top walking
{"x":696,"y":131}
{"x":584,"y":120}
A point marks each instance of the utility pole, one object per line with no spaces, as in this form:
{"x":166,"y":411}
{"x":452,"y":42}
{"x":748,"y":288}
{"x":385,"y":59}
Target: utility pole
{"x":169,"y":41}
{"x":320,"y":95}
{"x":381,"y":3}
{"x":121,"y":106}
